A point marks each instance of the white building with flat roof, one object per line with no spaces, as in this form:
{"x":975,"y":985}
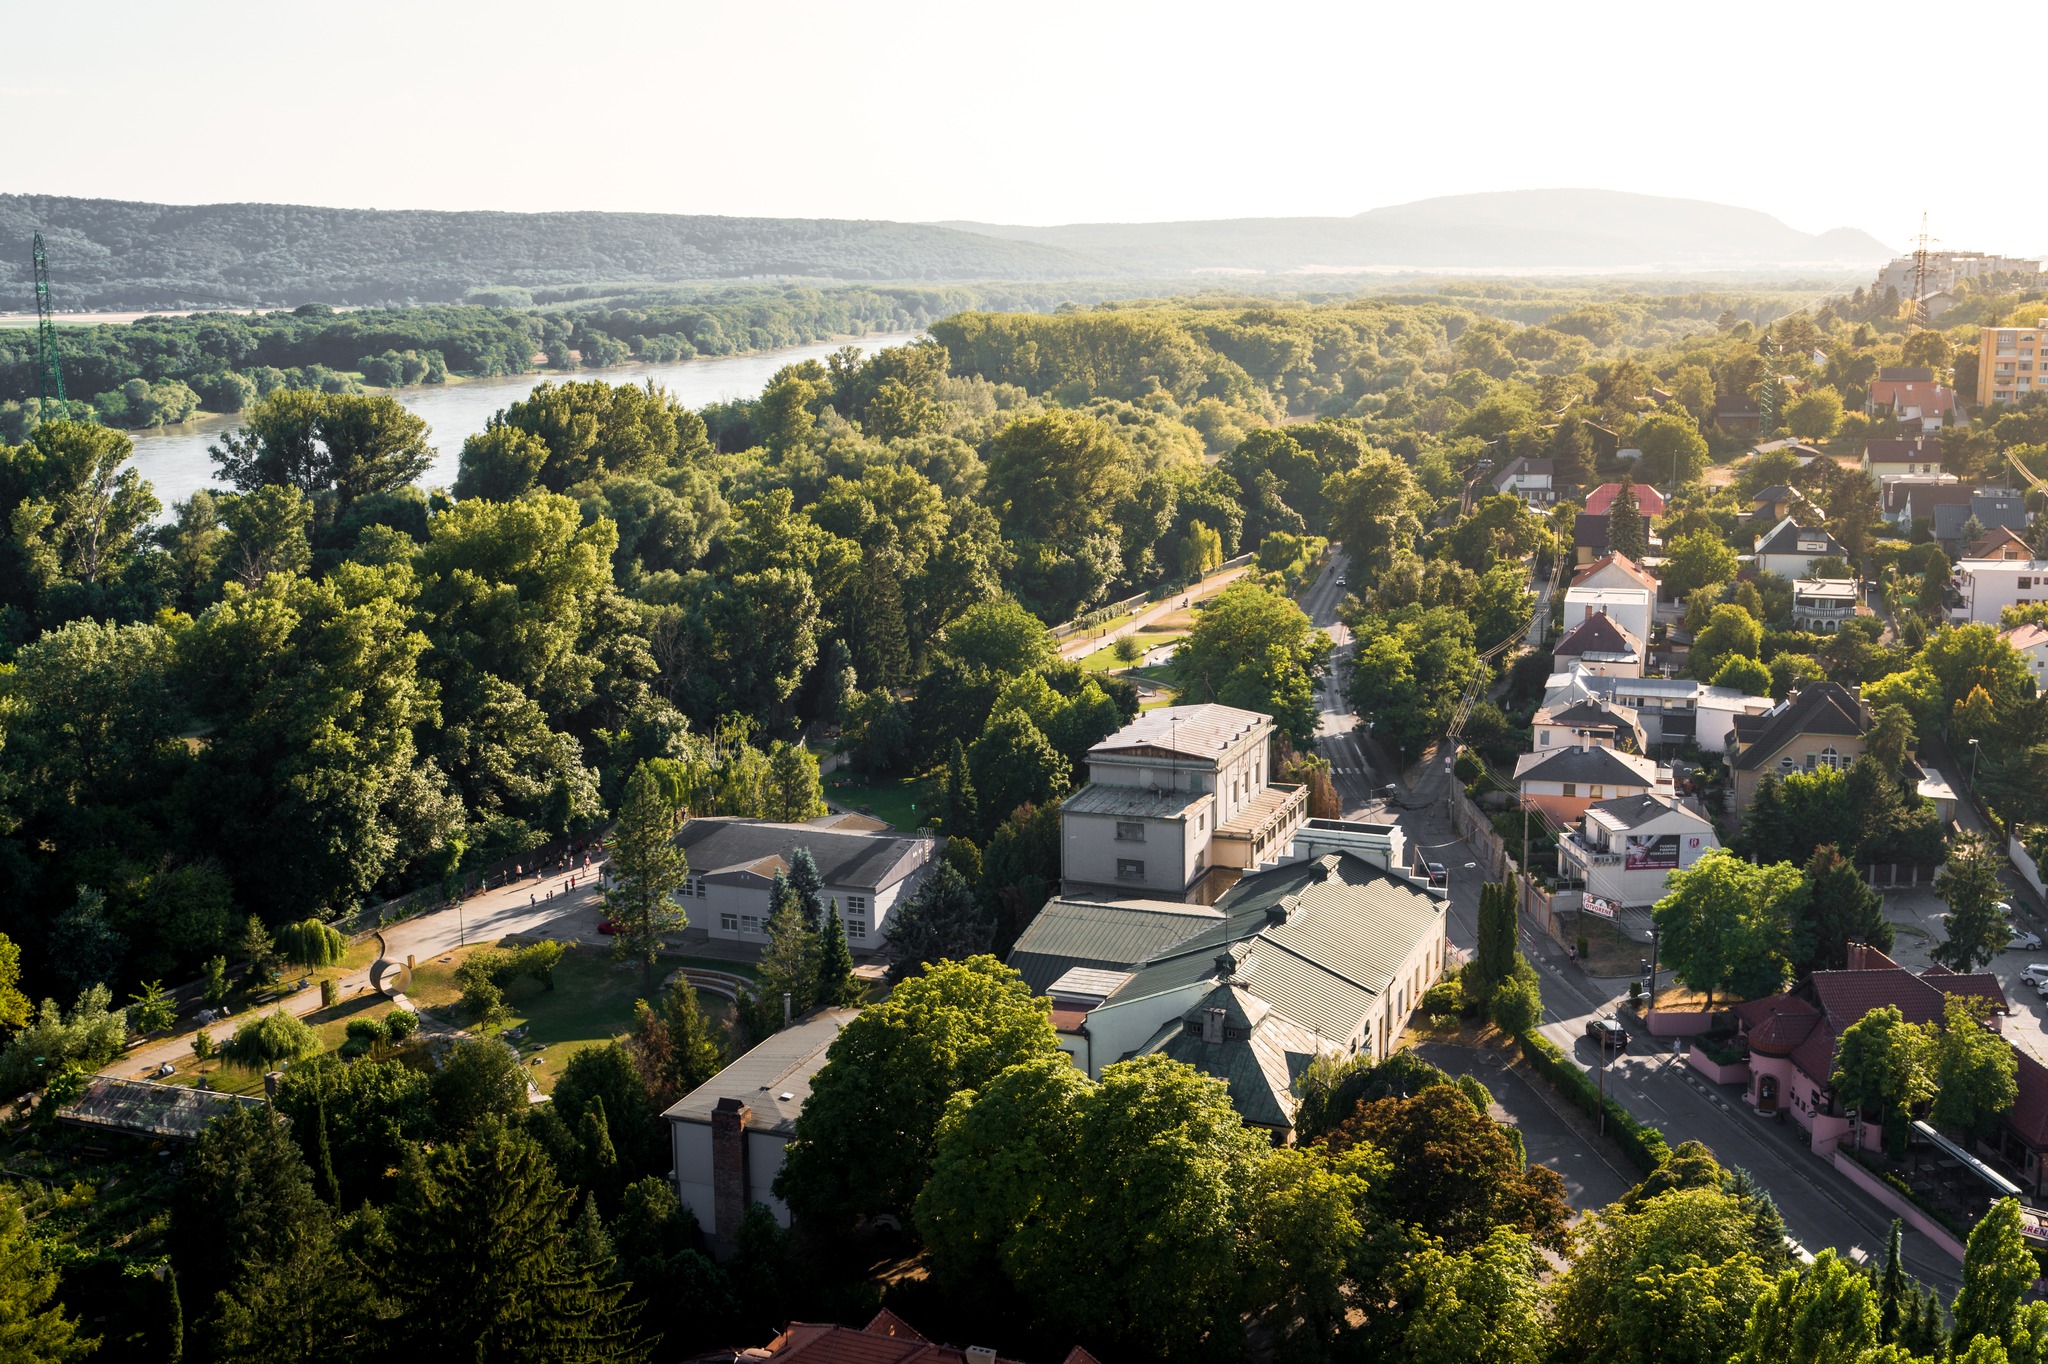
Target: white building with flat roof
{"x":1988,"y":586}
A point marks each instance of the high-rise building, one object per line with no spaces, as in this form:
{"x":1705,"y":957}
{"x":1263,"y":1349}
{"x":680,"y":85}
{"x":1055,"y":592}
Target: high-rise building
{"x":2011,"y":363}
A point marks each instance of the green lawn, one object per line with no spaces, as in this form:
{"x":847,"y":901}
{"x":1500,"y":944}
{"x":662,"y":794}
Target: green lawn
{"x":904,"y":803}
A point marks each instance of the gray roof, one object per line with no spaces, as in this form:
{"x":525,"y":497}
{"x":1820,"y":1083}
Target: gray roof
{"x":1994,"y":508}
{"x":1201,"y":731}
{"x":1132,"y":802}
{"x":1632,"y":812}
{"x":774,"y":1079}
{"x":1102,"y":935}
{"x":1818,"y":708}
{"x":146,"y":1107}
{"x":1785,"y":538}
{"x":726,"y":845}
{"x":1596,"y":765}
{"x":1261,"y":1056}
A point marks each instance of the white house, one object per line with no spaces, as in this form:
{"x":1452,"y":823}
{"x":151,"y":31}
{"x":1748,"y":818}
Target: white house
{"x":728,"y":1135}
{"x":2030,"y":642}
{"x":1672,"y":710}
{"x":1789,"y":549}
{"x":1890,"y":458}
{"x":733,"y":862}
{"x":1528,"y":479}
{"x":1622,"y":850}
{"x":1988,"y":586}
{"x":1588,"y":721}
{"x":1563,"y":782}
{"x":1178,"y":805}
{"x":1631,"y":607}
{"x":1820,"y":605}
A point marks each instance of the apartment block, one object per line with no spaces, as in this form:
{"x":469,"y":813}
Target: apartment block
{"x":2010,"y":363}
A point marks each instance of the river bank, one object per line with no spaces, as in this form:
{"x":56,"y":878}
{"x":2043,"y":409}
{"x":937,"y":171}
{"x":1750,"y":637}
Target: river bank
{"x":175,"y":460}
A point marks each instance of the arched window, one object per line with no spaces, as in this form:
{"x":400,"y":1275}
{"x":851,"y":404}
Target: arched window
{"x":1830,"y":758}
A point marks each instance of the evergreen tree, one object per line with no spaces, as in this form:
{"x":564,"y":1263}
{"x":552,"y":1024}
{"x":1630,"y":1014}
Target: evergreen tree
{"x":674,"y":1046}
{"x":1998,"y":1273}
{"x":833,"y":984}
{"x":589,"y":1242}
{"x":1891,"y":1289}
{"x":807,"y":885}
{"x":795,"y":791}
{"x":253,"y":1242}
{"x":1494,"y":962}
{"x":1765,"y":834}
{"x":778,"y":892}
{"x":787,"y":967}
{"x":33,"y":1329}
{"x":478,"y":1263}
{"x":963,"y":811}
{"x":258,"y":951}
{"x":647,"y":872}
{"x":1840,"y":910}
{"x":1625,"y":523}
{"x":881,"y":633}
{"x":1925,"y":1334}
{"x":942,"y":920}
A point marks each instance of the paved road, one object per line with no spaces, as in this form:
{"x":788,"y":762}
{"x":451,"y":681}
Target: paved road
{"x":1086,"y":642}
{"x":520,"y":908}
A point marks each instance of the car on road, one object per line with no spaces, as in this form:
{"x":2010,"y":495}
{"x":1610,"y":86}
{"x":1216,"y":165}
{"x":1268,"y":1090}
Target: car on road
{"x":1438,"y":875}
{"x":2035,"y":974}
{"x":606,"y":926}
{"x":1340,"y":580}
{"x":1608,"y":1032}
{"x":2025,"y":940}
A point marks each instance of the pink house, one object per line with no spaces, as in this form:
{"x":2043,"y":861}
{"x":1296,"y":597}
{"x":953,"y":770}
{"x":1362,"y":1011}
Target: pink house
{"x":1792,"y":1041}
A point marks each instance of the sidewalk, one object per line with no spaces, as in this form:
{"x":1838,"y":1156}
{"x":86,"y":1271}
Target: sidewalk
{"x":1087,"y":642}
{"x":522,"y":907}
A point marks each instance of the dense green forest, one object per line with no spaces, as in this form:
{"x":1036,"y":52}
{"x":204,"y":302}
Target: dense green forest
{"x":229,"y":725}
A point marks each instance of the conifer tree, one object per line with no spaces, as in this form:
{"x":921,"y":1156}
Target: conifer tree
{"x":479,"y":1262}
{"x":834,"y":985}
{"x":32,"y":1327}
{"x":647,"y":872}
{"x":963,"y":810}
{"x":1891,"y":1290}
{"x":1494,"y":961}
{"x":787,"y":966}
{"x":1625,"y":523}
{"x":807,"y":885}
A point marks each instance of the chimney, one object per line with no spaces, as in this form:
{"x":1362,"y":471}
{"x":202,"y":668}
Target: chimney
{"x":980,"y":1354}
{"x":1212,"y":1026}
{"x":1226,"y":965}
{"x":729,"y":1192}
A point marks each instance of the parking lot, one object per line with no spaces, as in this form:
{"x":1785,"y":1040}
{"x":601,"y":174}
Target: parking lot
{"x":1915,"y":917}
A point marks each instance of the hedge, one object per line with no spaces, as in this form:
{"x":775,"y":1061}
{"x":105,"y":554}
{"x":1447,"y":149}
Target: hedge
{"x":1643,"y":1145}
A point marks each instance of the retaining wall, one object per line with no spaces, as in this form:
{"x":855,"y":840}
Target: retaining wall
{"x":1886,"y":1196}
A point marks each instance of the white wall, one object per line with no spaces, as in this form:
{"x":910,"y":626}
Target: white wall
{"x":1116,"y":1028}
{"x":1090,"y":851}
{"x":691,"y":1144}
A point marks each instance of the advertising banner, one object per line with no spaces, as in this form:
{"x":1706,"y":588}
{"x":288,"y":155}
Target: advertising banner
{"x":1594,"y":904}
{"x":1651,"y":852}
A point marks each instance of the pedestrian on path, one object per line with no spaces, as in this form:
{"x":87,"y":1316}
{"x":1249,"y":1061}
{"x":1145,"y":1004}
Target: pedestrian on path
{"x":532,"y":899}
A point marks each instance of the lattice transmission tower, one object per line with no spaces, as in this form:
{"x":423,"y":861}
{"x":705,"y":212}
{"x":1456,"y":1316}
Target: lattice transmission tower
{"x":47,"y":370}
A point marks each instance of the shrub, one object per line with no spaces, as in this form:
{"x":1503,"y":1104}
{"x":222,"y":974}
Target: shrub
{"x":269,"y":1039}
{"x":1518,"y":1001}
{"x":1644,"y":1146}
{"x":400,"y":1024}
{"x":202,"y":1046}
{"x":1443,"y":999}
{"x":365,"y":1035}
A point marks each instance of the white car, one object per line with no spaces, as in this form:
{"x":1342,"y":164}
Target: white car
{"x":2024,"y":941}
{"x":2035,"y":974}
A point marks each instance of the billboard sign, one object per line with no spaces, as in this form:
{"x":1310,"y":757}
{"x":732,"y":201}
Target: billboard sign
{"x":1605,"y":908}
{"x":1651,"y":852}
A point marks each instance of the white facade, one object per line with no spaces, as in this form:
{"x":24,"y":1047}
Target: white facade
{"x":1820,"y":605}
{"x":1623,"y":856}
{"x":1632,"y":607}
{"x":1988,"y":586}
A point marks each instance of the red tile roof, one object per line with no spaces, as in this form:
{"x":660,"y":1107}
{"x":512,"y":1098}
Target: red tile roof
{"x":1620,"y":561}
{"x":1777,"y":1025}
{"x":2029,"y":1115}
{"x":1649,"y":501}
{"x":1930,"y":398}
{"x":888,"y":1339}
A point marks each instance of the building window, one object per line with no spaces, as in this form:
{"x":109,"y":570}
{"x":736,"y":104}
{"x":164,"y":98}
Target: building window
{"x":1130,"y":831}
{"x":729,"y":923}
{"x":750,"y":923}
{"x":1543,"y":739}
{"x":856,"y":904}
{"x":1571,"y":789}
{"x":1598,"y":792}
{"x":856,"y":929}
{"x":694,"y":887}
{"x":1129,"y":869}
{"x":1785,"y":763}
{"x":1829,"y":758}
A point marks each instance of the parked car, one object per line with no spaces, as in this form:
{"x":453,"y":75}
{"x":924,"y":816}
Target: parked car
{"x":2042,"y":989}
{"x":2035,"y":974}
{"x":2024,"y":940}
{"x":1608,"y":1032}
{"x":1438,"y":876}
{"x":607,"y":926}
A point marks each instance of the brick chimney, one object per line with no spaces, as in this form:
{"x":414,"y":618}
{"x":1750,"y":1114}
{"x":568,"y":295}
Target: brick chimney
{"x":729,"y":1194}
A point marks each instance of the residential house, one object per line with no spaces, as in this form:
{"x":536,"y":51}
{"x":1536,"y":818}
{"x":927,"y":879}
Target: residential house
{"x":867,"y":872}
{"x":1588,"y":721}
{"x":1673,"y":711}
{"x":885,"y":1340}
{"x":1601,"y":645}
{"x":1622,"y":851}
{"x":1820,"y":605}
{"x":1600,"y":501}
{"x":1988,"y":586}
{"x":1789,"y":549}
{"x":1632,"y":607}
{"x":2030,"y":642}
{"x":2007,"y":368}
{"x":1820,"y":725}
{"x":1904,"y":500}
{"x":727,"y":1136}
{"x":1325,"y":955}
{"x":1528,"y":479}
{"x":1988,"y":508}
{"x":1913,"y":398}
{"x":1177,"y":806}
{"x":2002,"y":542}
{"x":1792,"y":1039}
{"x":1737,"y":412}
{"x":1562,"y":783}
{"x":1895,"y":458}
{"x":1773,"y":504}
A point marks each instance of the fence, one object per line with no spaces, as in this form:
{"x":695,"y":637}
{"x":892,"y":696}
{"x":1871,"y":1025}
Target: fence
{"x":1132,"y":603}
{"x":364,"y":922}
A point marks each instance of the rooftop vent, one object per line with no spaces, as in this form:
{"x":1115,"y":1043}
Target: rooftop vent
{"x":980,"y":1354}
{"x":1212,"y":1026}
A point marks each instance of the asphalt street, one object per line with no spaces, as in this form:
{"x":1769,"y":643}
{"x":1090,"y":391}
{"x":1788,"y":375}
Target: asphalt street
{"x":1653,"y":1080}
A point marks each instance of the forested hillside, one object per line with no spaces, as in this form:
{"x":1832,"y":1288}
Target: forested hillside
{"x":107,"y":253}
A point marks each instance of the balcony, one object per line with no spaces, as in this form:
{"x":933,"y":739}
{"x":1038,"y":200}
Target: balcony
{"x":1260,"y":832}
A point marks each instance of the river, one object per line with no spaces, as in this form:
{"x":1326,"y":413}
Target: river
{"x":174,"y":458}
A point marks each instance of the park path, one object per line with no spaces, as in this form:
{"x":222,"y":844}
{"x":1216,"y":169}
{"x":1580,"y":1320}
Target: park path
{"x":521,"y":907}
{"x":1085,"y":642}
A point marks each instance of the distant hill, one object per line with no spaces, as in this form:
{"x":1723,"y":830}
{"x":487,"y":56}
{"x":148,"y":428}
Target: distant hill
{"x":107,"y":253}
{"x":112,"y":254}
{"x":1577,"y":229}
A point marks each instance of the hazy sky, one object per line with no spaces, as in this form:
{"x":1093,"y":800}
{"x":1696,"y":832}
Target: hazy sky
{"x":1023,"y":112}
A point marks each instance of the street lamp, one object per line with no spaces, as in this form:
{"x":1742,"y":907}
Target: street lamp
{"x":1973,"y":766}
